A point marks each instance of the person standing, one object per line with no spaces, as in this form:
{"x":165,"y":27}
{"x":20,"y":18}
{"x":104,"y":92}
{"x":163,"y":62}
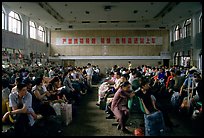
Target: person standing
{"x":119,"y":105}
{"x":89,"y":72}
{"x":129,"y":65}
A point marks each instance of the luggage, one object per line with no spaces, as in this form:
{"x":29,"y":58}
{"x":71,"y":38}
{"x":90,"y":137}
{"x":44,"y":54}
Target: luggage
{"x":134,"y":105}
{"x":103,"y":88}
{"x":4,"y":108}
{"x":66,"y":113}
{"x":57,"y":108}
{"x":175,"y":99}
{"x":11,"y":119}
{"x":154,"y":124}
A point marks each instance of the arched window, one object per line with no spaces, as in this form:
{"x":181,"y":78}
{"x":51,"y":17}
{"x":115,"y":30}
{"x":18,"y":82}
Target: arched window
{"x":41,"y":33}
{"x":178,"y":32}
{"x":3,"y":19}
{"x":32,"y":30}
{"x":200,"y":61}
{"x":187,"y":28}
{"x":200,"y":24}
{"x":15,"y":22}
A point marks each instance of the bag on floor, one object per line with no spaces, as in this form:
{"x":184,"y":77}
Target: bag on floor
{"x":185,"y":104}
{"x":154,"y":124}
{"x":66,"y":113}
{"x":175,"y":99}
{"x":57,"y":108}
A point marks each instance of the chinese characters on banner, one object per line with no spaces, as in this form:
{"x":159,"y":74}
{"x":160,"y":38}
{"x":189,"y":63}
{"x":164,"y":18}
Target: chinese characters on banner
{"x":110,"y":41}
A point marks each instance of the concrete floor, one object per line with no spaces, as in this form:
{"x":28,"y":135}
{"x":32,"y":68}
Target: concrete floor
{"x":90,"y":121}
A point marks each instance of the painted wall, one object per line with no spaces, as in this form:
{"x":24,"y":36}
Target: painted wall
{"x":110,"y":50}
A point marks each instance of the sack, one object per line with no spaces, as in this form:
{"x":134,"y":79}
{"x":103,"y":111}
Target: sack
{"x":66,"y":113}
{"x":11,"y":119}
{"x":175,"y":99}
{"x":4,"y":108}
{"x":185,"y":104}
{"x":154,"y":124}
{"x":195,"y":115}
{"x":134,"y":105}
{"x":57,"y":108}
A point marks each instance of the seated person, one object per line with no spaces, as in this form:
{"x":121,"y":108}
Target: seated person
{"x":40,"y":95}
{"x":22,"y":111}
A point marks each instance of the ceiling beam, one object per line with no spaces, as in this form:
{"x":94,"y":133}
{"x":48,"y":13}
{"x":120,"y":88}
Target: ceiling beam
{"x":51,"y":11}
{"x":166,"y":9}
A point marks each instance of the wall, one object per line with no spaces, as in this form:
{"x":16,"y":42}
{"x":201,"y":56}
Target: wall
{"x":98,"y":50}
{"x":110,"y":50}
{"x":24,"y":42}
{"x":192,"y":43}
{"x":27,"y":45}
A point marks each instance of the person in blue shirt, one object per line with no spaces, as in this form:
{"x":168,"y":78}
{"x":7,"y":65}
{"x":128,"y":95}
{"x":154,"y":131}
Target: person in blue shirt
{"x":21,"y":109}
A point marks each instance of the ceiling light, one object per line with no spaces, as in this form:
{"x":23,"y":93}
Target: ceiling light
{"x":147,"y":26}
{"x":135,"y":11}
{"x":87,"y":12}
{"x":107,"y":8}
{"x":131,"y":21}
{"x":115,"y":21}
{"x":70,"y":26}
{"x":102,"y":21}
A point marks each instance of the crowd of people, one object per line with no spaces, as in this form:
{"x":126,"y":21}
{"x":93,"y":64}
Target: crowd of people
{"x":30,"y":92}
{"x":162,"y":89}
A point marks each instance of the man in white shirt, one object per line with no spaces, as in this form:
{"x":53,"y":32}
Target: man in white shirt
{"x":89,"y":72}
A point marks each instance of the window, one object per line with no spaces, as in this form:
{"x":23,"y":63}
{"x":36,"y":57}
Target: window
{"x":3,"y":20}
{"x":41,"y":33}
{"x":178,"y":33}
{"x":200,"y":24}
{"x":32,"y":30}
{"x":187,"y":28}
{"x":200,"y":61}
{"x":15,"y":23}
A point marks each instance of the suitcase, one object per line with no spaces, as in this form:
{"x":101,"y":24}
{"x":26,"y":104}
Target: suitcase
{"x":154,"y":124}
{"x":66,"y":113}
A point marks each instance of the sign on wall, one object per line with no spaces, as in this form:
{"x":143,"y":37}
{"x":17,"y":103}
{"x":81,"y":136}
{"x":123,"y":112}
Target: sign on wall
{"x":109,"y":41}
